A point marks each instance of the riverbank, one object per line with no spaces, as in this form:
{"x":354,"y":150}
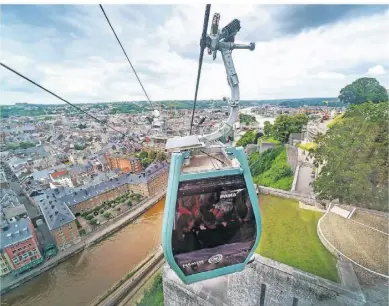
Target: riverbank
{"x":126,"y":288}
{"x":94,"y":237}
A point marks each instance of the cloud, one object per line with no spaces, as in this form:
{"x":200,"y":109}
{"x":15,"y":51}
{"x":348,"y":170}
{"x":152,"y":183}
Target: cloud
{"x":74,"y":53}
{"x":377,"y":70}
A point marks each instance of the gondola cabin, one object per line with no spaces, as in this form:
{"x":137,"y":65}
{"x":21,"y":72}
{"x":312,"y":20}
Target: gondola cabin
{"x":212,"y":223}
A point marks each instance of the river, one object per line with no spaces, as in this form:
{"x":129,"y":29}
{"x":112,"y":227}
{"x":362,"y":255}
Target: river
{"x":260,"y":119}
{"x":80,"y":279}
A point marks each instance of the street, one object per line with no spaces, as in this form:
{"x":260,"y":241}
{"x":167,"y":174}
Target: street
{"x":303,"y":180}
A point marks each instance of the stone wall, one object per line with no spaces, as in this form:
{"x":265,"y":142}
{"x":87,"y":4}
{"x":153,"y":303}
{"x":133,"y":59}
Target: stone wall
{"x":287,"y":194}
{"x":292,"y":156}
{"x":263,"y":282}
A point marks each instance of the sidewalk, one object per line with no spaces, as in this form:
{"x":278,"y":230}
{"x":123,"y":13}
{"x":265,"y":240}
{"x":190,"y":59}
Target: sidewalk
{"x":9,"y":282}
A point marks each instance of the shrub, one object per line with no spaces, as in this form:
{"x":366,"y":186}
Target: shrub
{"x":82,"y":232}
{"x":101,"y":211}
{"x":93,"y":221}
{"x":78,"y":224}
{"x":129,"y":203}
{"x":77,"y":214}
{"x":89,"y":217}
{"x":107,"y":215}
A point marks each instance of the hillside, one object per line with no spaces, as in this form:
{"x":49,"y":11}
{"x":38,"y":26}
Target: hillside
{"x":271,"y":169}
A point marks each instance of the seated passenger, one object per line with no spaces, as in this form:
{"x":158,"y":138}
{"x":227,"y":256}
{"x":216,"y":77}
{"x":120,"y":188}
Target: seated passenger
{"x":211,"y":234}
{"x":184,"y":239}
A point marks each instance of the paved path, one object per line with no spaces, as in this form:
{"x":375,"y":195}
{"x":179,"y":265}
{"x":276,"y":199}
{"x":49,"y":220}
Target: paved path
{"x":88,"y":240}
{"x":303,"y":180}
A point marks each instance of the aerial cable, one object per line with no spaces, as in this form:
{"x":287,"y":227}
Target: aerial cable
{"x":62,"y":99}
{"x":202,"y":47}
{"x":133,"y":69}
{"x":209,"y":155}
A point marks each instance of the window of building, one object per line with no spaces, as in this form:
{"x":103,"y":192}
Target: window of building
{"x":30,"y":253}
{"x":70,"y":226}
{"x":60,"y":230}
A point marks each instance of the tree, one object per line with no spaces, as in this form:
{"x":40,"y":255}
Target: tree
{"x":81,"y":126}
{"x":161,"y":156}
{"x":246,"y":139}
{"x":268,"y":128}
{"x":247,"y":119}
{"x":354,"y":158}
{"x":143,"y":154}
{"x":363,"y":90}
{"x":286,"y":124}
{"x":146,"y":161}
{"x":152,"y":155}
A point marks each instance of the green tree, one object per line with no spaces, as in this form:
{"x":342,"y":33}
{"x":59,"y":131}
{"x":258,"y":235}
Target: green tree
{"x":152,"y":155}
{"x":143,"y":154}
{"x":354,"y":158}
{"x":286,"y":124}
{"x":268,"y":129}
{"x":247,"y":138}
{"x":82,"y":126}
{"x":363,"y":90}
{"x":146,"y":161}
{"x":161,"y":156}
{"x":247,"y":119}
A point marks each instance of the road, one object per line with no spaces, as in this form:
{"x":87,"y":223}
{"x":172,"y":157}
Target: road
{"x":303,"y":180}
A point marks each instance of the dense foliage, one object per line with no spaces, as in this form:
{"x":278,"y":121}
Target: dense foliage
{"x":154,"y":295}
{"x":270,"y":168}
{"x":80,"y":146}
{"x":284,"y":125}
{"x":247,"y":119}
{"x":247,"y":138}
{"x":363,"y":90}
{"x":146,"y":158}
{"x":354,"y":156}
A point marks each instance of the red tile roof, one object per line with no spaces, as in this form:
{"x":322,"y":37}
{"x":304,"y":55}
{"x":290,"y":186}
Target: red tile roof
{"x":58,"y":174}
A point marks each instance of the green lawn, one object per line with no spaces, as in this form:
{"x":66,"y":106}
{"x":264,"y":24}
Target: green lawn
{"x":268,"y":139}
{"x":289,"y":236}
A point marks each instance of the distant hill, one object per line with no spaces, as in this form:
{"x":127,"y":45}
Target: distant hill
{"x":25,"y":109}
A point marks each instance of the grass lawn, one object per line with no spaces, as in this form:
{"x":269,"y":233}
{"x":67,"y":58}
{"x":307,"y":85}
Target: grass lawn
{"x":268,"y":139}
{"x":289,"y":236}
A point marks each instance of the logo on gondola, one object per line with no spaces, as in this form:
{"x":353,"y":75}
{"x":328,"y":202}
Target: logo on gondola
{"x":228,"y":195}
{"x":215,"y":259}
{"x":195,"y":263}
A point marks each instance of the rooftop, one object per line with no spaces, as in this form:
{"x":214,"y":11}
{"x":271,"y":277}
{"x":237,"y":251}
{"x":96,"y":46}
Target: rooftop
{"x":16,"y":232}
{"x":56,"y":213}
{"x":59,"y":174}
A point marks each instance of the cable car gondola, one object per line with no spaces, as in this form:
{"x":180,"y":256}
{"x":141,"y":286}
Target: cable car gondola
{"x":212,"y":223}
